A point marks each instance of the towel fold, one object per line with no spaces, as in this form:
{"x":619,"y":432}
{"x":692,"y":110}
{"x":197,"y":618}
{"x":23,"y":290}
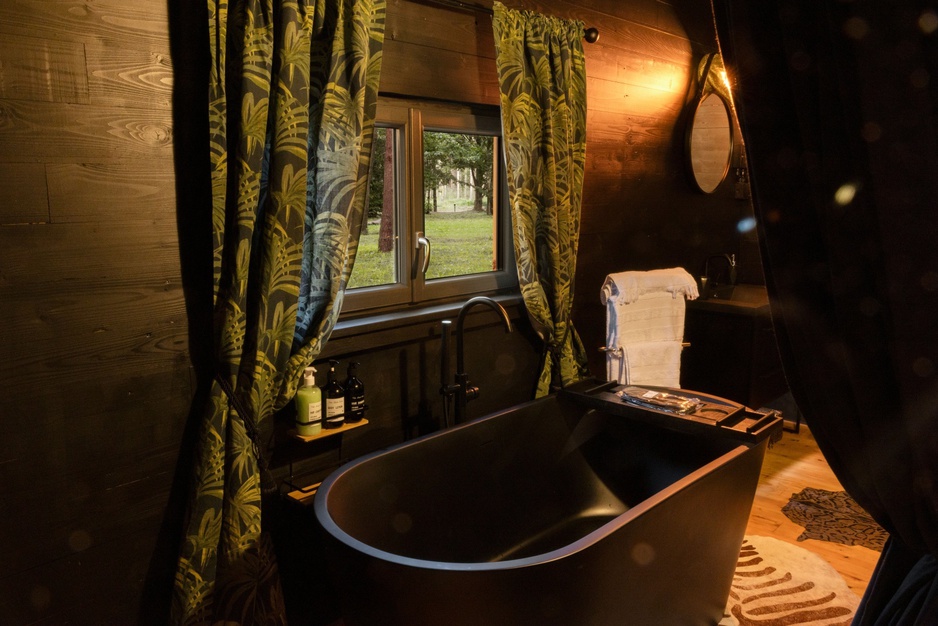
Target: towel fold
{"x":656,"y":363}
{"x":627,"y":287}
{"x":653,"y":317}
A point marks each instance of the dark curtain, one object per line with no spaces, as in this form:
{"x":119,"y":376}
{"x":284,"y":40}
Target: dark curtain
{"x":837,"y":104}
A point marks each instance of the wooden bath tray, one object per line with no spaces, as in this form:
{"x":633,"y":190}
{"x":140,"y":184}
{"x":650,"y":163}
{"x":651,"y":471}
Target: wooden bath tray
{"x":716,"y":416}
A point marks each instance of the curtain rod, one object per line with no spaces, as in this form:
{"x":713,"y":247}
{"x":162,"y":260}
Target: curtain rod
{"x":591,"y":35}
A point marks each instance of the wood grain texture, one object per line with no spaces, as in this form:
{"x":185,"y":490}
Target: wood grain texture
{"x":106,"y":256}
{"x":58,"y":133}
{"x":122,"y":191}
{"x":81,"y":341}
{"x":42,"y":70}
{"x":81,"y":20}
{"x":417,"y":71}
{"x":128,"y":74}
{"x":97,"y":378}
{"x":468,"y":33}
{"x":24,"y":195}
{"x":616,"y":65}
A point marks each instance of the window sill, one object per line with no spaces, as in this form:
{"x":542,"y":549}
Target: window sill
{"x":361,"y":333}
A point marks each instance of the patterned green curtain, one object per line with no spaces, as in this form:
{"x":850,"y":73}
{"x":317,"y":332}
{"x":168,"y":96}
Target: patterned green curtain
{"x":293,"y":90}
{"x":542,"y":80}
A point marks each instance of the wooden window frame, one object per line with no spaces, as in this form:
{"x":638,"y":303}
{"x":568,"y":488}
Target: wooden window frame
{"x":410,"y":119}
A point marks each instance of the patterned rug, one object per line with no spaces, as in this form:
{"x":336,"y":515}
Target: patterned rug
{"x":834,"y":516}
{"x":780,"y":584}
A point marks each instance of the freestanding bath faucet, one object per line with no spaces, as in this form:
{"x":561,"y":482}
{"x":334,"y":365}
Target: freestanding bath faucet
{"x":461,"y":389}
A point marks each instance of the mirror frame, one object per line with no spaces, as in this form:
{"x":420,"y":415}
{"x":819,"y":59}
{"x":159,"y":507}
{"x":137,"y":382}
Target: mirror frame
{"x":694,"y":174}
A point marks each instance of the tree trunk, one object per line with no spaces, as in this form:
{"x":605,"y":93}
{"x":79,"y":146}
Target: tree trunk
{"x":476,"y":191}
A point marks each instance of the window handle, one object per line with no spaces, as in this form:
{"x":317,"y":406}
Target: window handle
{"x":423,"y":250}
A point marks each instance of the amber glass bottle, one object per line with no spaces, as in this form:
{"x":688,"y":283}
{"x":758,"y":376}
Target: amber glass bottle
{"x":354,"y":396}
{"x":333,"y":396}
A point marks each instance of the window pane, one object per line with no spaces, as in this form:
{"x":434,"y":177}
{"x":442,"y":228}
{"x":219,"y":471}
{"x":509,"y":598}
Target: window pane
{"x":459,"y":207}
{"x":375,"y":263}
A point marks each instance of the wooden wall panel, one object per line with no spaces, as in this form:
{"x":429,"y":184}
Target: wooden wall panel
{"x":95,"y":369}
{"x":616,"y":66}
{"x":42,"y":70}
{"x":23,"y":192}
{"x":90,"y":256}
{"x":78,"y":507}
{"x":62,"y":133}
{"x":436,"y":28}
{"x":444,"y":54}
{"x":411,"y":70}
{"x":81,"y":20}
{"x":130,"y":74}
{"x":632,"y":100}
{"x":69,"y":589}
{"x":131,"y":191}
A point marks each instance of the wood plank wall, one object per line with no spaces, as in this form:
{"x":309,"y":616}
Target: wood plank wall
{"x":105,"y":265}
{"x":96,"y":375}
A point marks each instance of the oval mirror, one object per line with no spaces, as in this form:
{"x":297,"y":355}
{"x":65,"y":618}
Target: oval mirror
{"x":710,"y":142}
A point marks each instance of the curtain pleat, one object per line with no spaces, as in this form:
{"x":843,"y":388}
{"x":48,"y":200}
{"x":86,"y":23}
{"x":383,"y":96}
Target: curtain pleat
{"x":542,"y":82}
{"x":293,"y":90}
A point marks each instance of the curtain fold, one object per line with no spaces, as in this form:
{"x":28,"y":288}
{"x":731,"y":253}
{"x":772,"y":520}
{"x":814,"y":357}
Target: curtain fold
{"x":542,"y":83}
{"x":838,"y":101}
{"x":293,"y":90}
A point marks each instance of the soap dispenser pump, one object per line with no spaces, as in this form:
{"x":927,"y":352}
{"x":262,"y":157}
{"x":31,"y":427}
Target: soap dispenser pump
{"x":334,"y":396}
{"x":308,"y":405}
{"x":354,"y":396}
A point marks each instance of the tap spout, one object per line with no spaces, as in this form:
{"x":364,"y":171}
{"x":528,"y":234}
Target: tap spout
{"x":730,"y":266}
{"x":460,"y":320}
{"x":463,"y":390}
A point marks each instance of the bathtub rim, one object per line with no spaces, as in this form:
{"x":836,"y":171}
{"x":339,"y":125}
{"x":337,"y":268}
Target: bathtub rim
{"x":321,"y":507}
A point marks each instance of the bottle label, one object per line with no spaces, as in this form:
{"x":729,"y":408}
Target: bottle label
{"x":334,"y":410}
{"x":314,"y":415}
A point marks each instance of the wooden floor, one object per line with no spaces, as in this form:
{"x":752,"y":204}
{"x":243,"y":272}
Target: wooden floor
{"x":791,"y":465}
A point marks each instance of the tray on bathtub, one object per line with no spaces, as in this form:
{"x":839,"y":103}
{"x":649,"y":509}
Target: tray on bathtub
{"x":687,"y":410}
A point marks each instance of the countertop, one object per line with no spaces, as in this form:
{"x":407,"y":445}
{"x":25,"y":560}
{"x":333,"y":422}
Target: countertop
{"x":745,"y":300}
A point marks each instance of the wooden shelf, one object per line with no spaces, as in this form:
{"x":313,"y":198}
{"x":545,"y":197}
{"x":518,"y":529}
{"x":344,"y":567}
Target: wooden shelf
{"x":328,"y":432}
{"x":304,"y":495}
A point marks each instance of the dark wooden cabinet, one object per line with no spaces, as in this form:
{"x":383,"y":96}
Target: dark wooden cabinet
{"x":732,"y":352}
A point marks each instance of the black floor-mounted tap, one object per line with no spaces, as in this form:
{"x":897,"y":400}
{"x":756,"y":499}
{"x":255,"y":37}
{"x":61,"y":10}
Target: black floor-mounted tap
{"x":462,"y":390}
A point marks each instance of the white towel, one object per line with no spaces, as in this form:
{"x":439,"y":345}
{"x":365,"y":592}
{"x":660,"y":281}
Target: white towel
{"x":653,"y":317}
{"x":656,"y":363}
{"x":627,"y":287}
{"x":645,"y":325}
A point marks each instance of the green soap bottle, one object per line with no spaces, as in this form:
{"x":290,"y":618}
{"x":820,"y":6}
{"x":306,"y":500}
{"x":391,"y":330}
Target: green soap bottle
{"x":308,"y":405}
{"x":334,"y":400}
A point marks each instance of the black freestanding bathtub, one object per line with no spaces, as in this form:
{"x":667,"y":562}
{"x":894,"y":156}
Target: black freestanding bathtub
{"x":572,"y":510}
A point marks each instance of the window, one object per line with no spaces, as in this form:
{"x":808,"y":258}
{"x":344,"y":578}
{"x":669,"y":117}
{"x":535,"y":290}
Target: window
{"x":437,"y":223}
